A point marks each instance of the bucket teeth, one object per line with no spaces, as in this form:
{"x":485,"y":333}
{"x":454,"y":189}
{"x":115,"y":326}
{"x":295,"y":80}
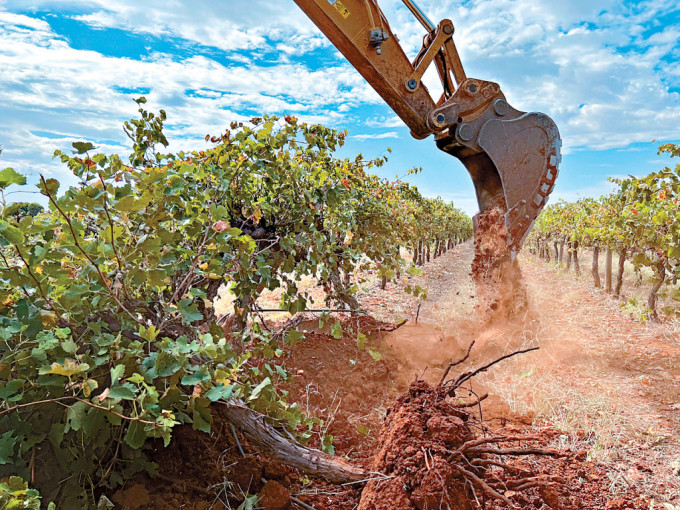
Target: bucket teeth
{"x":514,"y":163}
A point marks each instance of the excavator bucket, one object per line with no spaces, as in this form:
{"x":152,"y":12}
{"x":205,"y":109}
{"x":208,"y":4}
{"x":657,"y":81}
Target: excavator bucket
{"x":513,"y":158}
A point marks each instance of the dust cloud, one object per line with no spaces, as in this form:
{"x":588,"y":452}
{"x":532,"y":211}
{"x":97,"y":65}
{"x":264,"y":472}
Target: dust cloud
{"x":487,"y":304}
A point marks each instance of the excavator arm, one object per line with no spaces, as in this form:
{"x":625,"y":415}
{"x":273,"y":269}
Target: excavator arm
{"x":512,"y":156}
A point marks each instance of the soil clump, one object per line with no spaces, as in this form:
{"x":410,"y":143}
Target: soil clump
{"x":414,"y":452}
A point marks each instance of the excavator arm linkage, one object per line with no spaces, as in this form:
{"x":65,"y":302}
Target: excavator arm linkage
{"x":512,"y":156}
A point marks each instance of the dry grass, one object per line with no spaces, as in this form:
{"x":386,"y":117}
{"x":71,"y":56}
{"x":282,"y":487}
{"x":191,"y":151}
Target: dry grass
{"x":592,"y":417}
{"x":636,"y":285}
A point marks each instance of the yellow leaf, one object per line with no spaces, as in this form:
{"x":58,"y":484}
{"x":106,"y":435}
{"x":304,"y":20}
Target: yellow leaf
{"x":88,"y":386}
{"x":69,"y":368}
{"x":203,"y":266}
{"x":257,"y":215}
{"x":48,"y":319}
{"x":348,"y":237}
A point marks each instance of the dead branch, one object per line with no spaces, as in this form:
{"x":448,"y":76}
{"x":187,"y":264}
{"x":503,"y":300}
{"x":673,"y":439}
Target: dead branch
{"x":495,"y":439}
{"x":456,"y":363}
{"x":531,"y":481}
{"x":502,"y":465}
{"x":473,"y":403}
{"x":315,"y":310}
{"x":466,"y":376}
{"x":485,"y":487}
{"x":517,"y":451}
{"x":280,"y":449}
{"x":395,"y":326}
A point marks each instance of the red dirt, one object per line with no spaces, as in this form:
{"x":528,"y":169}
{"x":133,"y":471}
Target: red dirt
{"x":200,"y":471}
{"x":414,"y":451}
{"x":634,"y":364}
{"x":417,"y":450}
{"x":583,"y":486}
{"x":336,"y":381}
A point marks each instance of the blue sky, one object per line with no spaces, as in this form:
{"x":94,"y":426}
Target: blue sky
{"x":608,"y":72}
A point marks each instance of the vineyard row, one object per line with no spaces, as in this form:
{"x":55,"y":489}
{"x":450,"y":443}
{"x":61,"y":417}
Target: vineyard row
{"x":640,"y":221}
{"x":106,"y":300}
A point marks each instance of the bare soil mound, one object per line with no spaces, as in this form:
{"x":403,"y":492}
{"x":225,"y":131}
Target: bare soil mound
{"x":415,"y":453}
{"x":416,"y":447}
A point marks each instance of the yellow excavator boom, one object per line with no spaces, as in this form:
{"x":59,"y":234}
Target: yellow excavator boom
{"x":512,"y":156}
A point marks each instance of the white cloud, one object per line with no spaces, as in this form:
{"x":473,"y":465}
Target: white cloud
{"x":602,"y":69}
{"x":18,"y":21}
{"x":376,"y":136}
{"x":64,"y":94}
{"x":225,"y":24}
{"x":384,"y":121}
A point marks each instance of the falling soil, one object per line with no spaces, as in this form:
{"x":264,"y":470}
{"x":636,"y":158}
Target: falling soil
{"x":501,"y":293}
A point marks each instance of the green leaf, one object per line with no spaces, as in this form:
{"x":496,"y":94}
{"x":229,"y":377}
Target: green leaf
{"x":11,"y":233}
{"x":189,"y":311}
{"x":258,"y":389}
{"x":336,"y":329}
{"x":135,"y":435}
{"x":201,"y":375}
{"x":7,"y":443}
{"x":281,"y":372}
{"x":94,"y":421}
{"x":82,"y":147}
{"x":219,"y":392}
{"x":75,"y":416}
{"x":10,"y":176}
{"x":294,"y":336}
{"x":201,"y":415}
{"x":69,"y":346}
{"x":49,"y":187}
{"x":361,"y":341}
{"x":166,"y":364}
{"x":116,"y":373}
{"x":327,"y":444}
{"x":375,"y":354}
{"x":198,"y":293}
{"x":123,"y":392}
{"x":136,"y":378}
{"x":12,"y":391}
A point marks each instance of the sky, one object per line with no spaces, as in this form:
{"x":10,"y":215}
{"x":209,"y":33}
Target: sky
{"x":607,"y":72}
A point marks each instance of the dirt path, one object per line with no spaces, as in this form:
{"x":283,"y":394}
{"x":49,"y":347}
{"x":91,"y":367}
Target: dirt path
{"x":609,"y":383}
